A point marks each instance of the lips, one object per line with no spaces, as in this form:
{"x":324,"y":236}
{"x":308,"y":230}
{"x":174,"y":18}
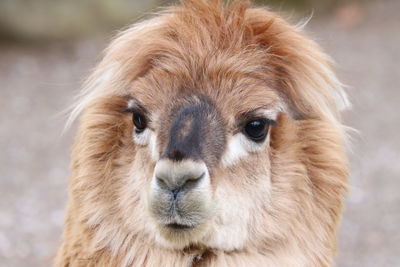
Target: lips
{"x":181,"y":220}
{"x":177,"y":226}
{"x":178,"y":219}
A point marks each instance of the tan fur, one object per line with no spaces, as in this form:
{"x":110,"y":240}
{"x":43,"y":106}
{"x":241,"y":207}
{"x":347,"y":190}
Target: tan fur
{"x":277,"y":207}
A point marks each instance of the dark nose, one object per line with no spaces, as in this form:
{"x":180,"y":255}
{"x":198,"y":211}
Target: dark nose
{"x":196,"y":132}
{"x":185,"y":137}
{"x":177,"y":176}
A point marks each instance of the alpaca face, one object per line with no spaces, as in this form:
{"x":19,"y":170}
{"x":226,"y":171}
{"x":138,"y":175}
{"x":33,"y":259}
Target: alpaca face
{"x":230,"y":141}
{"x":209,"y":148}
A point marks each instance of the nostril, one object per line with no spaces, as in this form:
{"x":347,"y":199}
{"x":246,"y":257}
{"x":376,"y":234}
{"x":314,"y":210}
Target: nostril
{"x":192,"y":182}
{"x":189,"y":184}
{"x":175,"y":177}
{"x":161,"y":182}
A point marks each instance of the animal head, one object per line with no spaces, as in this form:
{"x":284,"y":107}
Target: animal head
{"x":215,"y":126}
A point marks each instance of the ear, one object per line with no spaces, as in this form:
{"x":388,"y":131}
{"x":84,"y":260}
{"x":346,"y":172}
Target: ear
{"x":304,"y":75}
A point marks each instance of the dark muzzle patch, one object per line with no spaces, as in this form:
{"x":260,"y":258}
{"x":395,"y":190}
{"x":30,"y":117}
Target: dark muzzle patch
{"x":197,"y":132}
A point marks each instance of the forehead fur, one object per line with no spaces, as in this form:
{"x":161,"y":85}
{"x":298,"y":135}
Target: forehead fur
{"x":217,"y":48}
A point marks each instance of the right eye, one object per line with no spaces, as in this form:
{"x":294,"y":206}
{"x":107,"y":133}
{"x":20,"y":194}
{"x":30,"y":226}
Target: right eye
{"x":139,"y":121}
{"x":257,"y":129}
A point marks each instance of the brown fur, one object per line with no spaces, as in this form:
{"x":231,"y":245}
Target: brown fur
{"x":241,"y":58}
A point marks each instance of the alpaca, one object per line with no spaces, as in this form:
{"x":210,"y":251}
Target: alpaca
{"x":209,"y":135}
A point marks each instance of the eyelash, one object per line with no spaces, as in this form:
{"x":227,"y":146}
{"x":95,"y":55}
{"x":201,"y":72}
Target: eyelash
{"x":272,"y":122}
{"x":128,"y":110}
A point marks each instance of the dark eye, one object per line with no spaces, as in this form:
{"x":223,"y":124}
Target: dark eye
{"x":139,"y":121}
{"x":257,"y":130}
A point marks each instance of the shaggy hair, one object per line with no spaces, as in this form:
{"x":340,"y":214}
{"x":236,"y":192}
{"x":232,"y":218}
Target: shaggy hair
{"x":277,"y":206}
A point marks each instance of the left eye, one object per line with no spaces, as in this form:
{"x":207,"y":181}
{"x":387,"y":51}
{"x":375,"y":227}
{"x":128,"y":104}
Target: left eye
{"x":256,"y":130}
{"x":139,"y":121}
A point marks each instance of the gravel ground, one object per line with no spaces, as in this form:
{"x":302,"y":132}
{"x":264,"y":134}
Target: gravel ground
{"x":38,"y":83}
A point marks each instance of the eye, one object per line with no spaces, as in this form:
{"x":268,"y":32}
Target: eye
{"x":257,"y":129}
{"x":139,"y":121}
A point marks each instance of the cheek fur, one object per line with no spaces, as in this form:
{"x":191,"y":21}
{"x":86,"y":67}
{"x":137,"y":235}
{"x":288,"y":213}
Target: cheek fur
{"x":148,"y":138}
{"x":239,"y":147}
{"x":142,"y":138}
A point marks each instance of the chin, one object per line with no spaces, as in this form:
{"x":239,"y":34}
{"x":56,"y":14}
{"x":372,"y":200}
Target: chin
{"x":178,"y":237}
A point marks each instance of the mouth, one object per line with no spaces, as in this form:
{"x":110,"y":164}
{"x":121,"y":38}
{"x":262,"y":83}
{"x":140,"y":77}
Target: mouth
{"x":178,"y":216}
{"x":177,"y":226}
{"x":180,"y":227}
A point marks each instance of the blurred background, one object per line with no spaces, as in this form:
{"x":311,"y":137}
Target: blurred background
{"x":48,"y":47}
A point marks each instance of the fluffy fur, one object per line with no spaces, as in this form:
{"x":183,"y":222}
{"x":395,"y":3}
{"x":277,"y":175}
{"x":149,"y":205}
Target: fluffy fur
{"x":275,"y":206}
